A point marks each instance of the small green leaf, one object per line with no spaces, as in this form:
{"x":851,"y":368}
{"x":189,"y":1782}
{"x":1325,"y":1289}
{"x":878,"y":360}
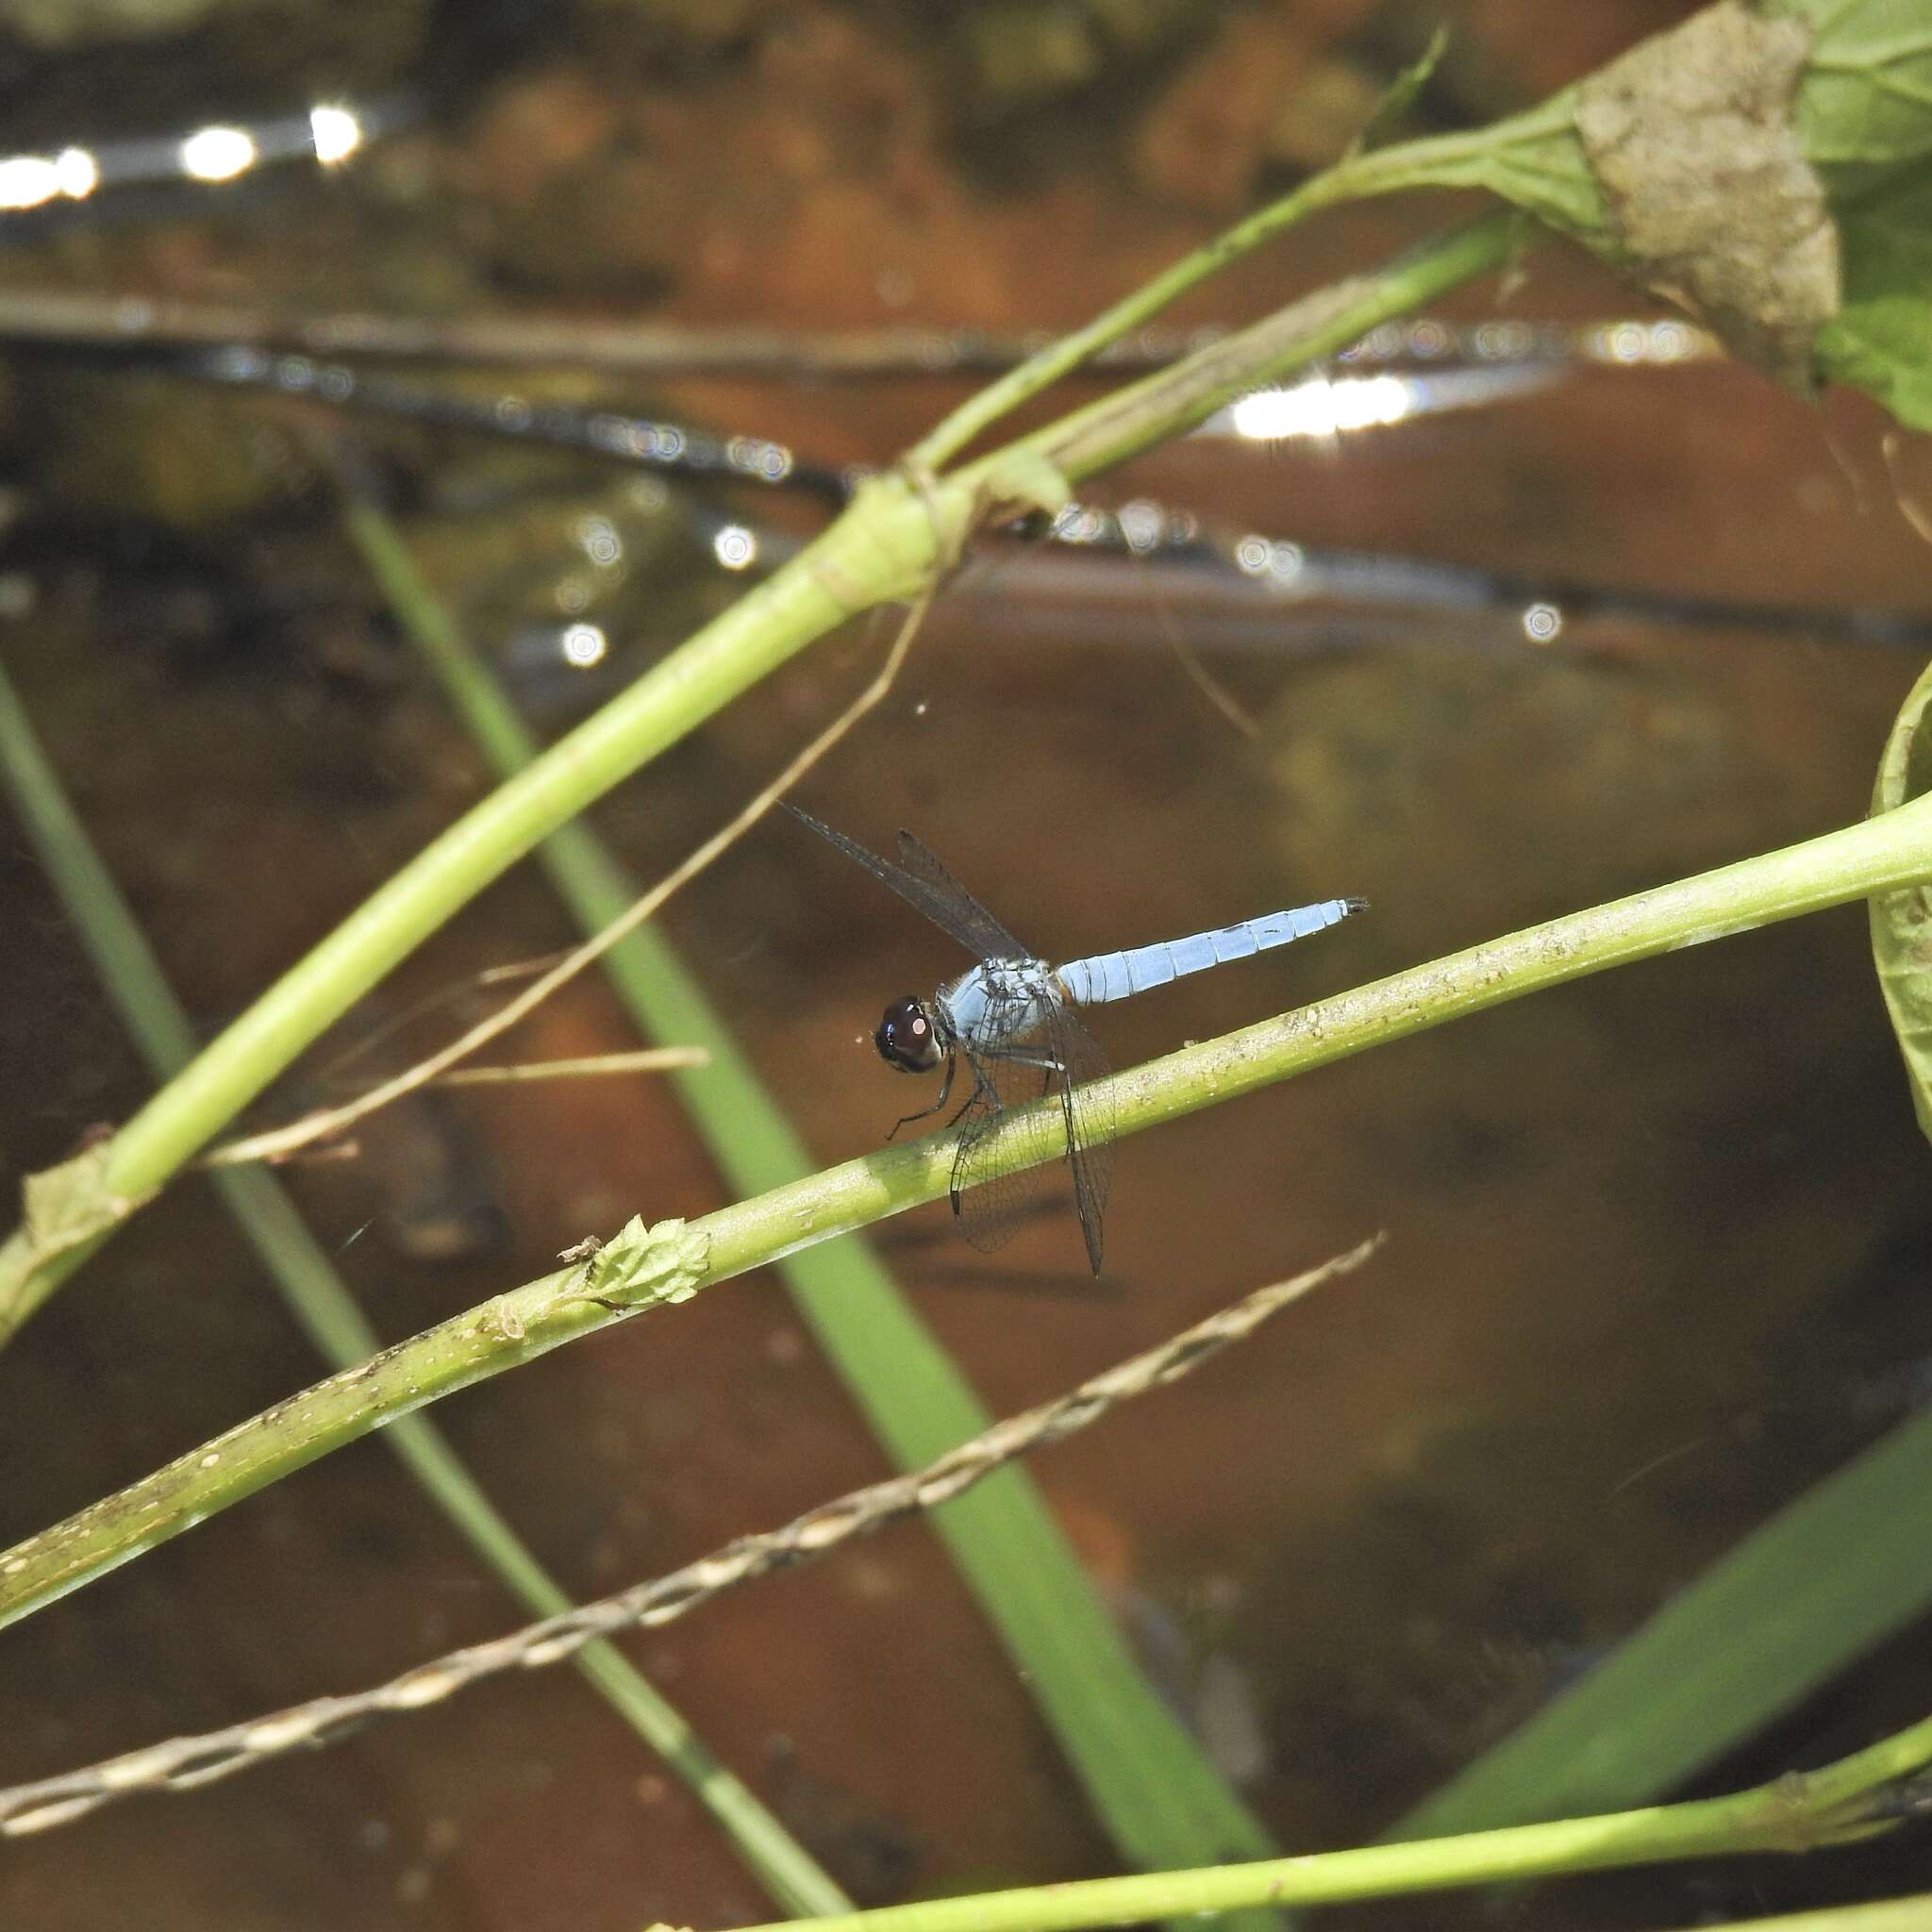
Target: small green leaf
{"x":1881,"y":340}
{"x":1533,"y":160}
{"x":67,"y":1206}
{"x":640,"y":1267}
{"x":1902,"y":920}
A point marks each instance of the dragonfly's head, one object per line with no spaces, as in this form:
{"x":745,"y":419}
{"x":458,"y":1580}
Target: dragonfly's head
{"x":908,"y":1037}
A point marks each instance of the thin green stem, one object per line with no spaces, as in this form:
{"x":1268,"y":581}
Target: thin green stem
{"x":1878,"y":855}
{"x":1040,"y":371}
{"x":1379,"y":171}
{"x":1107,"y":432}
{"x":1884,"y":1915}
{"x":1844,"y":1787}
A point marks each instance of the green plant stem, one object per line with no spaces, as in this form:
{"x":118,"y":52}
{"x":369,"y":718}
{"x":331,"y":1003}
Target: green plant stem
{"x":1151,"y":1785}
{"x":327,"y":1312}
{"x":1795,"y":1814}
{"x":1878,"y":855}
{"x":1460,"y":160}
{"x":881,"y":548}
{"x":1134,"y":418}
{"x":886,"y":546}
{"x":1039,"y":373}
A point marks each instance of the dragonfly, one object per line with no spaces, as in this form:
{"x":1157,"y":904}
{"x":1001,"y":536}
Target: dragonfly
{"x":1010,"y":1019}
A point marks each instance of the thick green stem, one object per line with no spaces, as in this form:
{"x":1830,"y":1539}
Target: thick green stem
{"x":1879,"y":855}
{"x":882,"y":548}
{"x":887,"y":546}
{"x":317,"y":1298}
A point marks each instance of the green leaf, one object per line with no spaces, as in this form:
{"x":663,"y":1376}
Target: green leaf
{"x":1902,"y":920}
{"x":1534,"y":161}
{"x":640,"y":1267}
{"x":1681,"y":163}
{"x":1693,"y":141}
{"x":69,"y":1205}
{"x":1864,"y":106}
{"x":1881,"y":340}
{"x":1827,"y":1579}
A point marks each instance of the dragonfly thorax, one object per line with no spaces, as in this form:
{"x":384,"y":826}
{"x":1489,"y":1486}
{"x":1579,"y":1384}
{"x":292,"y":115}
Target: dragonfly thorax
{"x":908,"y":1036}
{"x":1000,"y":1000}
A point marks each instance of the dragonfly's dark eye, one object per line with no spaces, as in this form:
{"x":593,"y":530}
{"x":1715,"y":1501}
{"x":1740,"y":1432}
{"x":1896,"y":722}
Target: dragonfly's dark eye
{"x":906,"y":1037}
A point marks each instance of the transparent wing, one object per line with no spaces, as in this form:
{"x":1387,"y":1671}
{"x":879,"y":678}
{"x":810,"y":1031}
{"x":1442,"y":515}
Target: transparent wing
{"x":925,"y":883}
{"x":1088,"y":1118}
{"x":974,"y":926}
{"x":988,"y":1206}
{"x":1008,"y":1076}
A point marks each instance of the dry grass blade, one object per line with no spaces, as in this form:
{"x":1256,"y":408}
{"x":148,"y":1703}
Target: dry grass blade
{"x":181,"y":1763}
{"x":648,"y":1060}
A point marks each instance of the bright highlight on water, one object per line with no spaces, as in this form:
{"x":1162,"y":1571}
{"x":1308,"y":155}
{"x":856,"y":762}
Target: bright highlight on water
{"x":328,"y":134}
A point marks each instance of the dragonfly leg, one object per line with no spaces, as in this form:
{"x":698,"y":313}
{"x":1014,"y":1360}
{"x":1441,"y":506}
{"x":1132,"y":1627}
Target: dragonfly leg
{"x":1050,"y":1065}
{"x":1045,"y":1062}
{"x":1026,"y":1057}
{"x":925,"y":1113}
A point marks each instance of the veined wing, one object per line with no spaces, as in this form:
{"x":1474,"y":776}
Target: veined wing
{"x":1009,"y":1077}
{"x":1089,"y":1116}
{"x":966,"y":919}
{"x":986,"y":1205}
{"x":923,"y":882}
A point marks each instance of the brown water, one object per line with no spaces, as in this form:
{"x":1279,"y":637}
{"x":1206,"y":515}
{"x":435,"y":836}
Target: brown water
{"x":1657,"y":1240}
